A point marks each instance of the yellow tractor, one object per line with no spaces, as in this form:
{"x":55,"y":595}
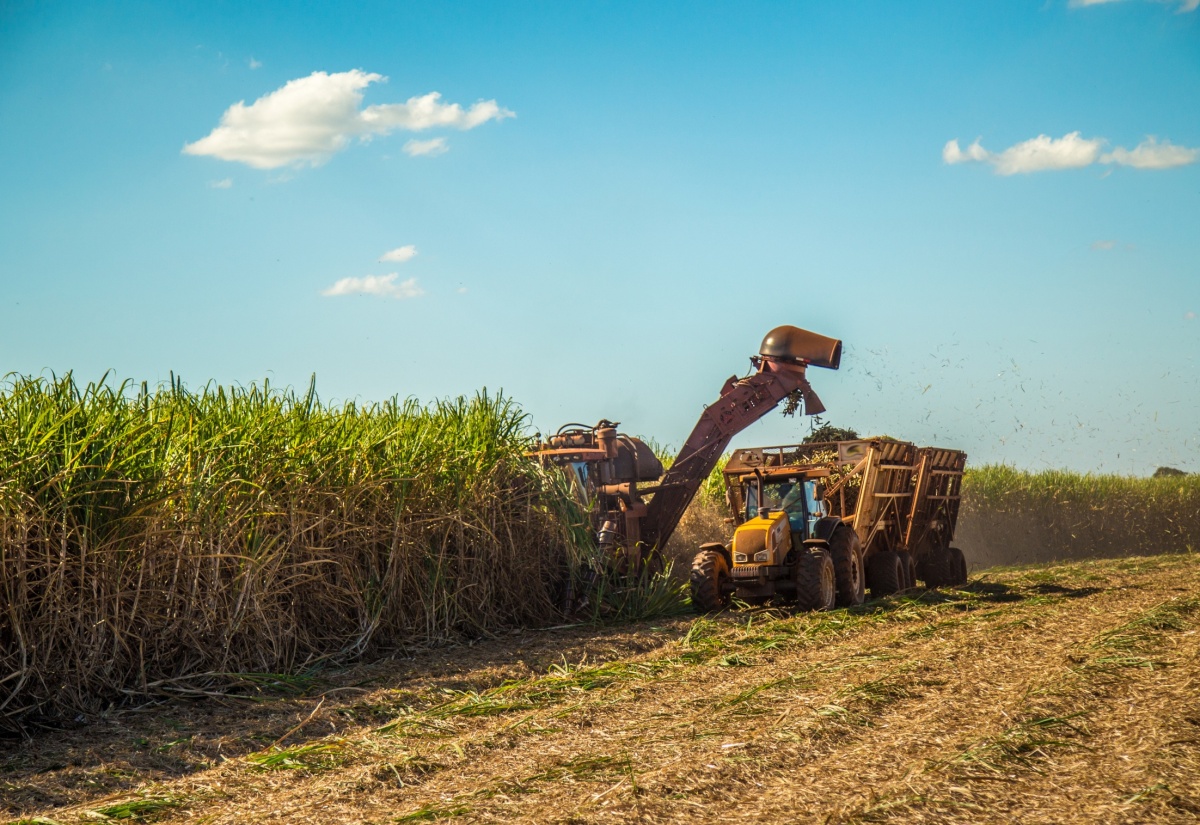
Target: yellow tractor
{"x":786,"y":544}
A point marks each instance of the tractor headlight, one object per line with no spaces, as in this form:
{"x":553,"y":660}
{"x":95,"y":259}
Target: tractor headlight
{"x":740,"y":558}
{"x":762,"y":555}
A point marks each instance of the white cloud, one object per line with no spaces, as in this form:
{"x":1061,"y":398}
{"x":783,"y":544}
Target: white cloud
{"x":255,"y":64}
{"x":1184,"y":5}
{"x":224,"y":183}
{"x":1103,"y":246}
{"x":308,"y":120}
{"x":1070,"y":151}
{"x":1035,"y":155}
{"x":1150,"y":154}
{"x":462,"y":290}
{"x":952,"y":154}
{"x":425,"y":112}
{"x":1043,"y":153}
{"x":400,"y":254}
{"x":427,"y":148}
{"x":384,"y":286}
{"x":1189,"y":316}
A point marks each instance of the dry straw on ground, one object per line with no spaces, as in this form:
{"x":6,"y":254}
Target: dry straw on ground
{"x":1065,"y":694}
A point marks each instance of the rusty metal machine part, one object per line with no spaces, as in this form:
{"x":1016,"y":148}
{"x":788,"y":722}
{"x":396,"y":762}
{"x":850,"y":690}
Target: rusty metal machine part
{"x":780,"y":372}
{"x":796,"y":345}
{"x":610,"y":466}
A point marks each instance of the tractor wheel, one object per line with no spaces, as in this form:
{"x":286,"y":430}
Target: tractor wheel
{"x":909,"y":565}
{"x":710,"y":575}
{"x":885,"y":574}
{"x":846,"y":551}
{"x":959,"y":565}
{"x":813,"y":574}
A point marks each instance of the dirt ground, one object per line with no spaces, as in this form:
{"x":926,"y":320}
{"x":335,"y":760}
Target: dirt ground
{"x":1055,"y":694}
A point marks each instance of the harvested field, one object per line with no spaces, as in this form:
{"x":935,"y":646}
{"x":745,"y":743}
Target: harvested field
{"x":1066,"y":693}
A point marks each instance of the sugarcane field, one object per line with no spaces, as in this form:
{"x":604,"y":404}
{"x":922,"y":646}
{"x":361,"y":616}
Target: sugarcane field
{"x":600,"y":413}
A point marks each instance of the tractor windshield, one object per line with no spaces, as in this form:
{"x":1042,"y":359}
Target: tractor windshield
{"x":795,"y":497}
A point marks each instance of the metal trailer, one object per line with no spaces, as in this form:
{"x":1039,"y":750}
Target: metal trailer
{"x":884,"y":511}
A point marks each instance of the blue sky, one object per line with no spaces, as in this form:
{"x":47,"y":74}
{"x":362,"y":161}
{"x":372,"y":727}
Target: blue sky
{"x":995,"y":205}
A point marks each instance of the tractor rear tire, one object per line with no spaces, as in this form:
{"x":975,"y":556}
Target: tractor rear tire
{"x":814,"y":577}
{"x":709,"y":579}
{"x":909,"y":565}
{"x":846,"y":551}
{"x":885,"y":574}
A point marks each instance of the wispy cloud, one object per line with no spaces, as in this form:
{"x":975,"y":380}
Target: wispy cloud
{"x":1035,"y":155}
{"x":1183,"y":5}
{"x":951,"y":153}
{"x":1071,"y":151}
{"x":1150,"y":154}
{"x":399,"y":254}
{"x":426,"y":148}
{"x":384,"y":286}
{"x":308,"y":120}
{"x":1103,"y":246}
{"x":1043,"y":153}
{"x":255,"y":64}
{"x":224,"y":183}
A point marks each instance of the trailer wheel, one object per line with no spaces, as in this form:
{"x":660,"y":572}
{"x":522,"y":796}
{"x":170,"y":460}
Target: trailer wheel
{"x":885,"y":574}
{"x":813,"y":575}
{"x":908,"y":565}
{"x":944,"y":567}
{"x":846,"y":551}
{"x":710,"y":577}
{"x":958,"y":563}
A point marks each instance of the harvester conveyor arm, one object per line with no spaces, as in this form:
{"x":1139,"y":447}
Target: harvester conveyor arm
{"x":742,"y":402}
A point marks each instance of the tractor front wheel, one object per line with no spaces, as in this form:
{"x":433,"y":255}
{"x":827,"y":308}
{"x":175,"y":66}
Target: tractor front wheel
{"x":710,"y":579}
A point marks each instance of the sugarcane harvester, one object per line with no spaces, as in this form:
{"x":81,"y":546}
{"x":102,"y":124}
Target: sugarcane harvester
{"x":633,"y":505}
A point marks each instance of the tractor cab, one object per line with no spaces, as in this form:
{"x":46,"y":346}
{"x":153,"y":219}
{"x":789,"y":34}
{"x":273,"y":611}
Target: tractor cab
{"x":799,"y":498}
{"x":779,"y":512}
